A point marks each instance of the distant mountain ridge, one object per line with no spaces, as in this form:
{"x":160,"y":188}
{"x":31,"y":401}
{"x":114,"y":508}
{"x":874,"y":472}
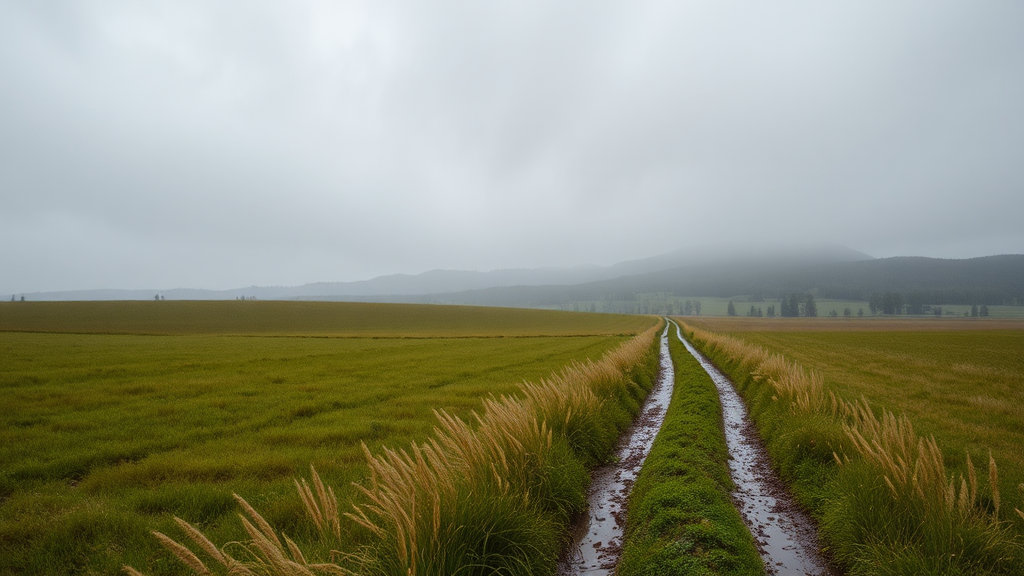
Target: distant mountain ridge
{"x":984,"y":280}
{"x":725,"y":271}
{"x":454,"y":281}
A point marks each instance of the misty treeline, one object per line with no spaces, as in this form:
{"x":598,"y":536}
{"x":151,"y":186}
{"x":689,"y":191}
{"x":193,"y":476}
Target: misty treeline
{"x":914,"y":303}
{"x":640,"y":304}
{"x":992,"y":280}
{"x":988,"y":281}
{"x":797,"y":305}
{"x":789,"y":307}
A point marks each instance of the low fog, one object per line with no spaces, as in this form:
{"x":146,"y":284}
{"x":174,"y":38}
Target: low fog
{"x":227,"y":144}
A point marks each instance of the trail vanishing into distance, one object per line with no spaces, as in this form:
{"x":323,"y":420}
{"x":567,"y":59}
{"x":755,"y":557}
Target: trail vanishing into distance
{"x":785,"y":536}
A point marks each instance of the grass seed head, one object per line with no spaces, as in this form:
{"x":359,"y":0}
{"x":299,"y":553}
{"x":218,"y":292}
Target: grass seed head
{"x":186,"y":556}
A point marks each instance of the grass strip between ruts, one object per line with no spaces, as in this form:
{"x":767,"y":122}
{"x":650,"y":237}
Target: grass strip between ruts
{"x":681,"y":518}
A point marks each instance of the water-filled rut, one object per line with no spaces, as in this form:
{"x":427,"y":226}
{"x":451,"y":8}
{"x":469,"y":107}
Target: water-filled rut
{"x":596,"y":549}
{"x":785,"y":536}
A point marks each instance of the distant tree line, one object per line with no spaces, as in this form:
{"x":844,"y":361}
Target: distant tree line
{"x":691,"y":308}
{"x":796,"y":305}
{"x":640,"y":304}
{"x":913,"y":303}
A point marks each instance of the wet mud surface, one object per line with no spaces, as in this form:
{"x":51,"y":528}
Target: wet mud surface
{"x":785,"y":535}
{"x":597,"y":542}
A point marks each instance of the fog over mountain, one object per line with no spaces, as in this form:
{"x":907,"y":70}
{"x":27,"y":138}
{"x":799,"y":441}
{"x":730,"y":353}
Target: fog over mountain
{"x":217,"y":145}
{"x":439,"y":282}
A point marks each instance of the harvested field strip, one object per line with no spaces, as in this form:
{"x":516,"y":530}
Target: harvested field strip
{"x":494,"y":496}
{"x":681,"y":517}
{"x":882,"y":493}
{"x":341,"y":319}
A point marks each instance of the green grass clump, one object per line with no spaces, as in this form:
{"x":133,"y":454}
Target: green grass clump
{"x":885,"y":499}
{"x":681,"y":518}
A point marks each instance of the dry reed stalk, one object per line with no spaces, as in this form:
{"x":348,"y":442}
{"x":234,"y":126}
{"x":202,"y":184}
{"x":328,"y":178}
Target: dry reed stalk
{"x":186,"y":556}
{"x":203,"y":542}
{"x":323,"y":508}
{"x":972,"y":478}
{"x":270,"y":555}
{"x":993,"y":481}
{"x":265,"y":527}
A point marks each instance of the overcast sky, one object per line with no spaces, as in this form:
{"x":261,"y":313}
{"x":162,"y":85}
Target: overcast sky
{"x":228,"y":144}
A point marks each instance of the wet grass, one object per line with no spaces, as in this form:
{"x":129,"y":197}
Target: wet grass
{"x":104,"y":437}
{"x":900,"y":503}
{"x":681,"y":517}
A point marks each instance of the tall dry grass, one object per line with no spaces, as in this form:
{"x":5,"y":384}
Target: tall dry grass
{"x":892,"y":505}
{"x":265,"y":553}
{"x":488,"y":496}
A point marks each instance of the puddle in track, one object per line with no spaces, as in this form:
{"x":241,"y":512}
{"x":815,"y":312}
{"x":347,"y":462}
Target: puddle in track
{"x":785,"y":536}
{"x":598,"y":542}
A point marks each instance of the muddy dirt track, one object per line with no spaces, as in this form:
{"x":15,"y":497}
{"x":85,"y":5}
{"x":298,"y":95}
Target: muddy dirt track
{"x":597,"y":543}
{"x":785,"y":536}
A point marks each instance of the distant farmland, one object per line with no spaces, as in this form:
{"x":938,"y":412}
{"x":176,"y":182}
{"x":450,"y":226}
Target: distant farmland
{"x":118,"y":415}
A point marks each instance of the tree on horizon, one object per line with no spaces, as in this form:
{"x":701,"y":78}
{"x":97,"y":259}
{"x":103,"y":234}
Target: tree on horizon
{"x":810,"y":307}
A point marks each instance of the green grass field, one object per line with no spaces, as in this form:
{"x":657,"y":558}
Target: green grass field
{"x":119,"y":415}
{"x":960,"y":381}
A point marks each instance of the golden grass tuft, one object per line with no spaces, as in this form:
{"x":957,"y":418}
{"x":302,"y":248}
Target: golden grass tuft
{"x":186,"y":556}
{"x":267,"y":553}
{"x":321,"y":505}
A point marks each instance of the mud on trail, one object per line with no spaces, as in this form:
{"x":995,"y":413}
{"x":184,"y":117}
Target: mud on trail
{"x":597,"y":541}
{"x":786,"y":537}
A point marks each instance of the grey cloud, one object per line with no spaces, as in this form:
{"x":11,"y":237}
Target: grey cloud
{"x":225,"y":144}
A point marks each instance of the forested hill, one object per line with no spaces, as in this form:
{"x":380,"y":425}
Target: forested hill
{"x":987,"y":280}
